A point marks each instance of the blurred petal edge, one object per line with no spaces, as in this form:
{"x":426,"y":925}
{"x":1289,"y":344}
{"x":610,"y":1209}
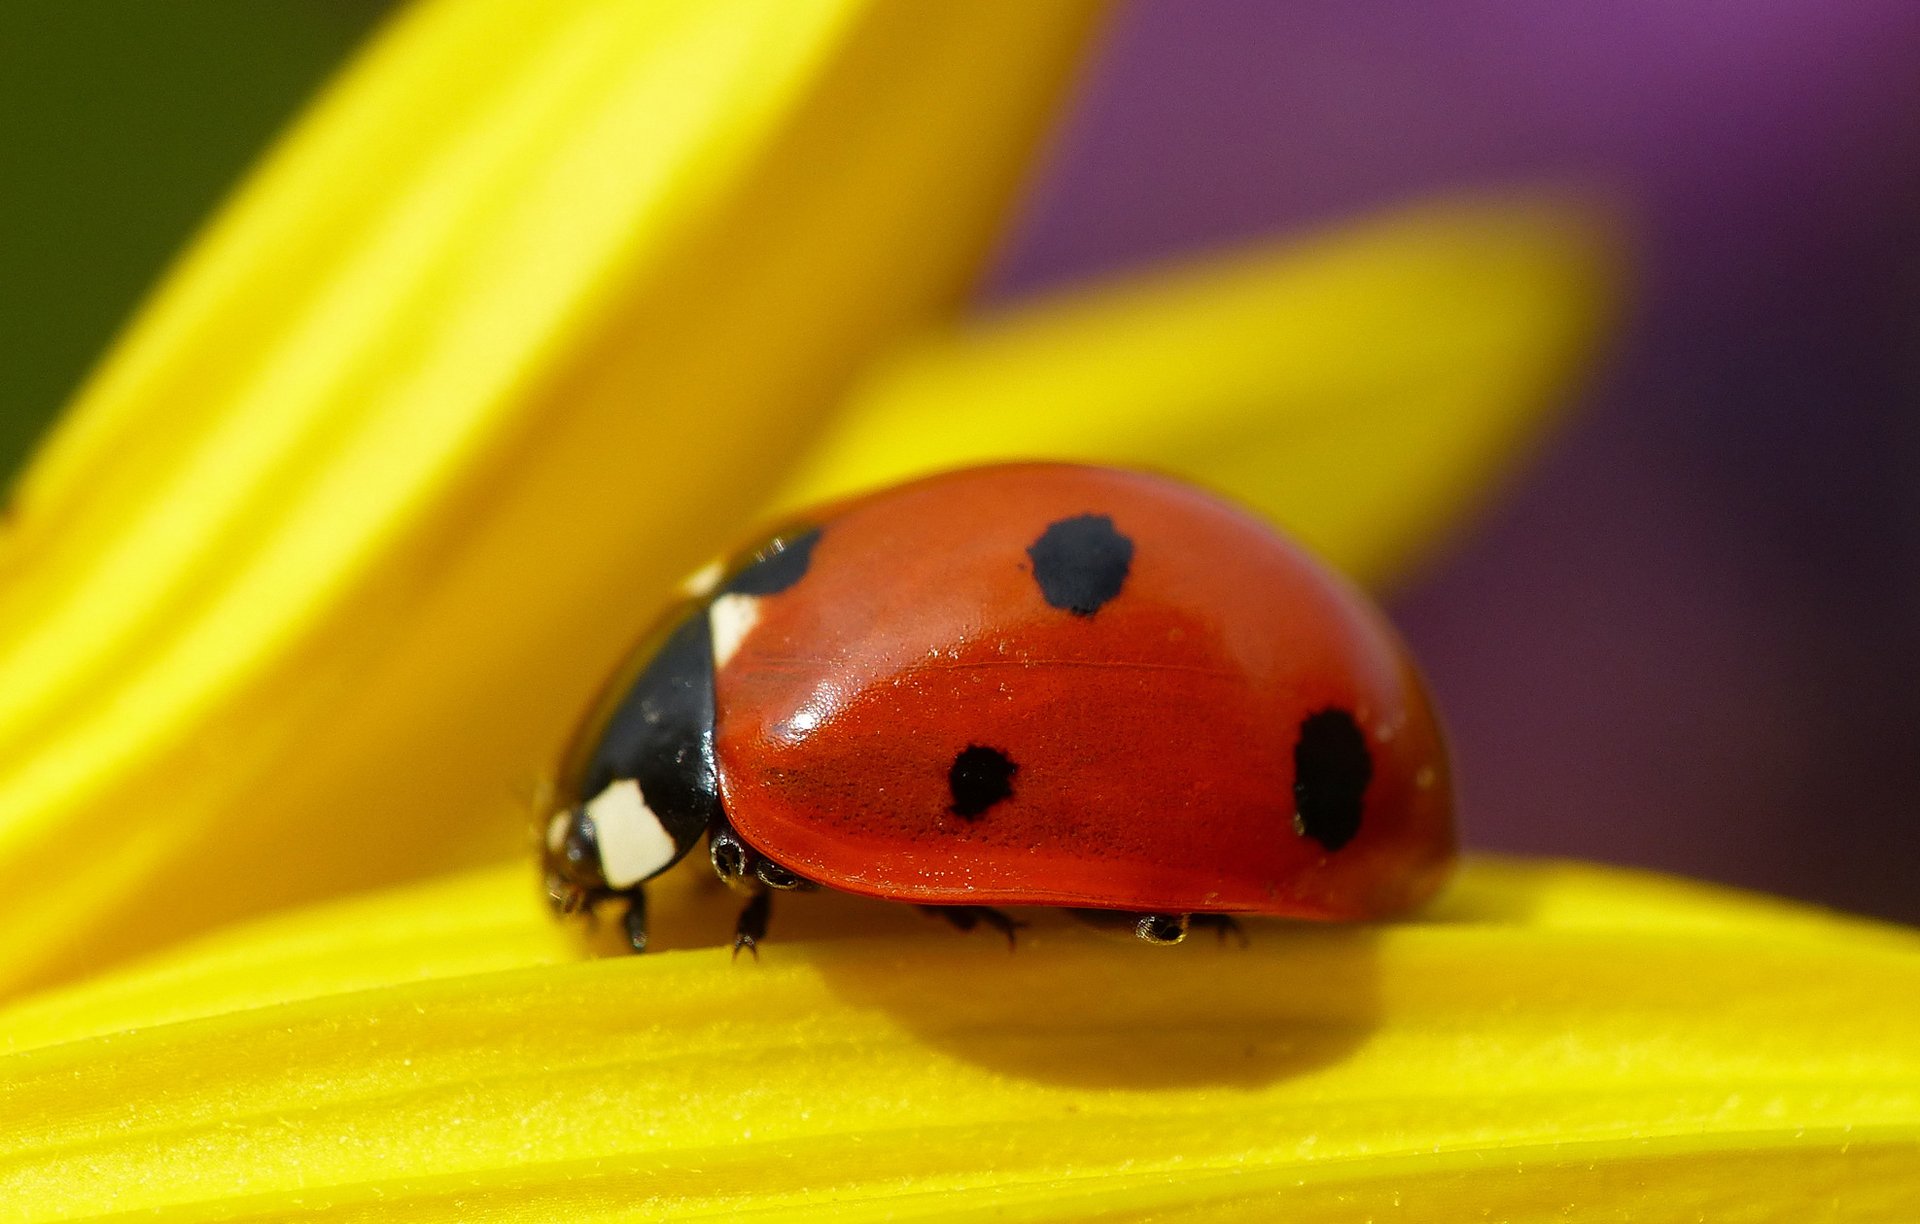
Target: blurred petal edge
{"x":1367,"y":386}
{"x":313,"y":577}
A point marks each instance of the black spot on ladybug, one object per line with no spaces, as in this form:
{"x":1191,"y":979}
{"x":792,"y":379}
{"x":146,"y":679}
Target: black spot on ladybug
{"x":1331,"y":769}
{"x":980,"y":778}
{"x":780,"y":563}
{"x":1081,"y":563}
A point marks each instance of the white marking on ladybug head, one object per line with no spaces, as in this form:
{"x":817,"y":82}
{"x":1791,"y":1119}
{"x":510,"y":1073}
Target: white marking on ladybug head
{"x":634,"y":845}
{"x":700,"y":583}
{"x":557,"y":831}
{"x":729,"y":619}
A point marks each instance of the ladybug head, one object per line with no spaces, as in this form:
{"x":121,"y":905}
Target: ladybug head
{"x":575,"y":878}
{"x":616,"y":840}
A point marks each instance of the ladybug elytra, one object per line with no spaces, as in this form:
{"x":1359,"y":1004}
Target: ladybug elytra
{"x":1027,"y":684}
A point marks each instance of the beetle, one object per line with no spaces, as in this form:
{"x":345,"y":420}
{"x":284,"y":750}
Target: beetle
{"x":1037,"y":684}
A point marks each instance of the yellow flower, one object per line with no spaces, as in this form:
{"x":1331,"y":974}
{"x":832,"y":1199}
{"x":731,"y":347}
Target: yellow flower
{"x":533,"y":313}
{"x":1553,"y":1042}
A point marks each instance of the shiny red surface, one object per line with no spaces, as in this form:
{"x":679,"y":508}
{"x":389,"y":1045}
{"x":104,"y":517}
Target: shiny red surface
{"x":1154,"y":739}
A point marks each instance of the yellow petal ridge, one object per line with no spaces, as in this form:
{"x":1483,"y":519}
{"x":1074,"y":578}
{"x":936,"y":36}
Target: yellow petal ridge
{"x":307,"y":588}
{"x":1362,"y":387}
{"x":1518,"y":1051}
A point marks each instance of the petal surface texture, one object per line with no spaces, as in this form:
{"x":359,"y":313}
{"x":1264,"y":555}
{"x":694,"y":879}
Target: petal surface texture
{"x":514,"y":329}
{"x":1552,"y":1042}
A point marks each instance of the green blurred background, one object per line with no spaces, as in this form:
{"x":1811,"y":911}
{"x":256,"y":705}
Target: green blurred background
{"x":122,"y":124}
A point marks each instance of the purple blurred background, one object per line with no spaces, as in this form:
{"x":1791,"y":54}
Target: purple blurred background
{"x":1687,"y":637}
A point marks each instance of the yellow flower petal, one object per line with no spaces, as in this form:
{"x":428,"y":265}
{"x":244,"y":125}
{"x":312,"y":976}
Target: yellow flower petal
{"x":1556,"y":1042}
{"x":1360,"y":387}
{"x":311,"y":583}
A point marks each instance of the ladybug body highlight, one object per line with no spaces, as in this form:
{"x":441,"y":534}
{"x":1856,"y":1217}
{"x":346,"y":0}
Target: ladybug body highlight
{"x":1034,"y":684}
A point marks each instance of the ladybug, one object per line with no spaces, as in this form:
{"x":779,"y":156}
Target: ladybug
{"x":1019,"y":685}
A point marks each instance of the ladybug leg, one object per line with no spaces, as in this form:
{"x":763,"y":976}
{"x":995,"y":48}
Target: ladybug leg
{"x":566,"y":897}
{"x":635,"y":920}
{"x":1153,"y":928}
{"x":999,"y":922}
{"x":752,"y":925}
{"x":961,"y":916}
{"x":779,"y":878}
{"x":966,"y":917}
{"x":745,"y":869}
{"x":1222,"y":925}
{"x":1161,"y":928}
{"x":732,"y":860}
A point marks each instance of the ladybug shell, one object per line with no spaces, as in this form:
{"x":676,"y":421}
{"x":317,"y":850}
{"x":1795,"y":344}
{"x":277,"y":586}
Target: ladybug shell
{"x":1058,"y":685}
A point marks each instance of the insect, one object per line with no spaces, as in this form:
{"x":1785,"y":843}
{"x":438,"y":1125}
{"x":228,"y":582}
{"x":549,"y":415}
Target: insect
{"x":1017,"y":685}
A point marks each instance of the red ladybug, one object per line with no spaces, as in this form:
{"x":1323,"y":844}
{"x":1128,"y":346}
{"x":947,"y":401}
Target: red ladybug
{"x":1032,"y":684}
